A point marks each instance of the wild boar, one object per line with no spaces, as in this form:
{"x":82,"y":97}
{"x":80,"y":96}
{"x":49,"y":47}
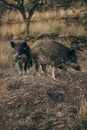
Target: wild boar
{"x":22,"y":55}
{"x":43,"y":53}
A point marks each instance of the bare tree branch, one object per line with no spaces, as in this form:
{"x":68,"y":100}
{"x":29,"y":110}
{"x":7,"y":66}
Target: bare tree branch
{"x":10,"y":4}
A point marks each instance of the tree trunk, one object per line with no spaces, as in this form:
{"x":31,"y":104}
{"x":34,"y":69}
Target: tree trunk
{"x":27,"y":26}
{"x":26,"y":19}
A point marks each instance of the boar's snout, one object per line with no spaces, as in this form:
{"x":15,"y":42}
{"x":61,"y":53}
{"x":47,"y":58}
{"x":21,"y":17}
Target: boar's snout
{"x":22,"y":57}
{"x":17,"y":57}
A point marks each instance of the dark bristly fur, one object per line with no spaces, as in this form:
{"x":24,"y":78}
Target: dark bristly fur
{"x":51,"y":52}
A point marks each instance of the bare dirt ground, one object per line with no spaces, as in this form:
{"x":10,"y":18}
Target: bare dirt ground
{"x":39,"y":103}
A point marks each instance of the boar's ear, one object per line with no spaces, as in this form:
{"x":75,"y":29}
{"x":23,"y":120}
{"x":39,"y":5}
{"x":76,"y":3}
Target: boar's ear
{"x":24,"y":44}
{"x":13,"y":44}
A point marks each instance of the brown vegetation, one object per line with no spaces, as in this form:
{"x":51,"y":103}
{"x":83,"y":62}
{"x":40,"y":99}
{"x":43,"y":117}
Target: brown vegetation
{"x":37,"y":103}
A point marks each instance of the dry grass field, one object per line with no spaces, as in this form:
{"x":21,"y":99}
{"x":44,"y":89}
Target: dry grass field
{"x":40,"y":103}
{"x":69,"y":22}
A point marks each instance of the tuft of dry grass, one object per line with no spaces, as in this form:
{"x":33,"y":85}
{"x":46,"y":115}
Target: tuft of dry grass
{"x":12,"y":16}
{"x":11,"y":30}
{"x":5,"y":55}
{"x":56,"y":26}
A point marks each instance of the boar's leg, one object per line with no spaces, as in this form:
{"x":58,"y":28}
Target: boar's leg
{"x":30,"y":63}
{"x":53,"y":72}
{"x":44,"y":69}
{"x":20,"y":68}
{"x":25,"y":67}
{"x":37,"y":66}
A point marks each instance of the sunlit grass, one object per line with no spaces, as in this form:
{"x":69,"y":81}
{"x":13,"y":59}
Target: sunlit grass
{"x":45,"y":23}
{"x":11,"y":30}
